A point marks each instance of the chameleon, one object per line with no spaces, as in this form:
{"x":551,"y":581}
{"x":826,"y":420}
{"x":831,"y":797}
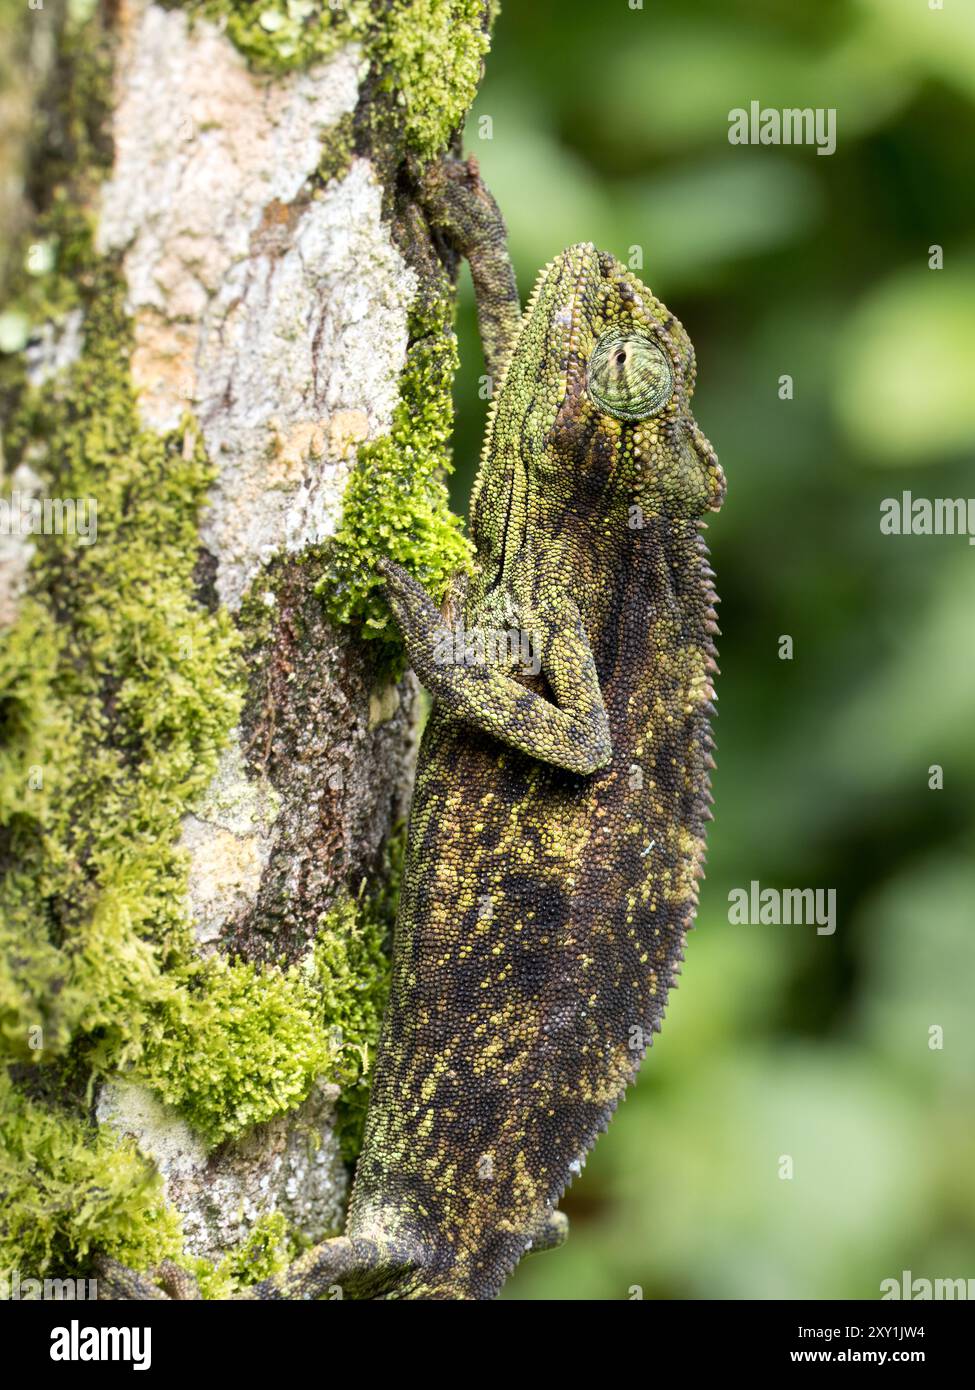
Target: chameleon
{"x":556,"y":831}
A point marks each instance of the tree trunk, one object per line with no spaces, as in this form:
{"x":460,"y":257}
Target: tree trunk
{"x":226,"y":391}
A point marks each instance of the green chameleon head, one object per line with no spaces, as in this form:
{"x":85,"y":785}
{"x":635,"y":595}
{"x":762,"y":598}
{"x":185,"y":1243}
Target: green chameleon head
{"x":596,"y":398}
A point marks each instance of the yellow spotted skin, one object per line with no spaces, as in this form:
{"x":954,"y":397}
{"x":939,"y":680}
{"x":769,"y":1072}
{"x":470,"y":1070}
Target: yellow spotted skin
{"x":557,"y":829}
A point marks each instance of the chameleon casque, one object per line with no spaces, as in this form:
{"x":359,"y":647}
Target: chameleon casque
{"x":556,"y":833}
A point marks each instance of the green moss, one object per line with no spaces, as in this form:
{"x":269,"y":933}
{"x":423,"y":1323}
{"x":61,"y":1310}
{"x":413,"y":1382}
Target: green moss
{"x":267,"y":1250}
{"x":396,"y":502}
{"x":65,"y":1193}
{"x":350,"y":963}
{"x":429,"y":54}
{"x":113,"y":701}
{"x":277,"y":35}
{"x":238,"y":1047}
{"x":241,"y":1044}
{"x":117,"y":691}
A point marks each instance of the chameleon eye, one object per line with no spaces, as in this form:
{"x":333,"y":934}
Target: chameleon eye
{"x":630,"y":377}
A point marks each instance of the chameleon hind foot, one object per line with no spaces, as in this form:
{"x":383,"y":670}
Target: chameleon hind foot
{"x":357,"y":1268}
{"x":166,"y":1281}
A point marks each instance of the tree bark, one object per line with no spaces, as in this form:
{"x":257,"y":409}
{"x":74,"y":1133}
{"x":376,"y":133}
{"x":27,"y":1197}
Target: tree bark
{"x":225,"y":308}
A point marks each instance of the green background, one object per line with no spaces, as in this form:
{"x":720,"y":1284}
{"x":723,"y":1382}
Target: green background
{"x":611,"y":125}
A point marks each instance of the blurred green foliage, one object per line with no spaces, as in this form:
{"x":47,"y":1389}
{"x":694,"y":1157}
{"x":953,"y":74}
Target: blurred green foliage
{"x":610,"y":124}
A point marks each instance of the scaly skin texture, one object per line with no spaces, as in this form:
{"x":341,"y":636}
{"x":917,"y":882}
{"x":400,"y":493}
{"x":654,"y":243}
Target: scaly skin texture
{"x":557,"y":828}
{"x":556,"y":834}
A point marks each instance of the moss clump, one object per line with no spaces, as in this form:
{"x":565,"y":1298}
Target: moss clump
{"x":276,"y":35}
{"x":268,"y":1249}
{"x":65,"y":1193}
{"x":429,"y":55}
{"x":238,"y":1043}
{"x":396,"y":502}
{"x":239,"y":1046}
{"x":117,"y":691}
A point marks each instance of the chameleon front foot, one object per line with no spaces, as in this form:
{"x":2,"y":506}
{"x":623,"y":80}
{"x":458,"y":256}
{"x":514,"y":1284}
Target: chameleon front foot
{"x":571,"y":734}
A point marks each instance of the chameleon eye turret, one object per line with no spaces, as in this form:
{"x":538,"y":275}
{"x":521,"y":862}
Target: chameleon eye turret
{"x":630,"y":377}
